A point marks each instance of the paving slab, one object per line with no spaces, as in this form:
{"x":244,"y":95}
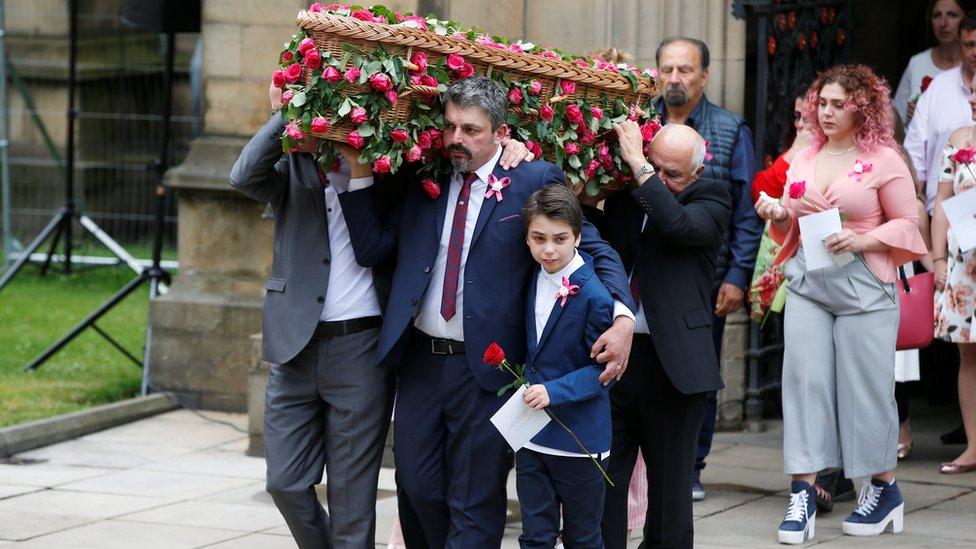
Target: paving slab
{"x":249,"y":494}
{"x":10,"y":490}
{"x":241,"y":518}
{"x":963,"y":504}
{"x":114,"y":534}
{"x":157,"y":484}
{"x":180,"y":429}
{"x":256,"y":541}
{"x":36,"y":513}
{"x":92,"y":453}
{"x":213,"y":462}
{"x":47,"y":475}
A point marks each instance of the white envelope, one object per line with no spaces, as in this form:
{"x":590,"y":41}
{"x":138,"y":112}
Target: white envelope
{"x":814,"y":229}
{"x":517,"y":422}
{"x":961,"y":212}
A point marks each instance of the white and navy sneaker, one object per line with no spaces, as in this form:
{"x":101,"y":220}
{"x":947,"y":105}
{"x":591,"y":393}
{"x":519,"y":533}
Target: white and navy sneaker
{"x":879,"y":503}
{"x":801,"y":514}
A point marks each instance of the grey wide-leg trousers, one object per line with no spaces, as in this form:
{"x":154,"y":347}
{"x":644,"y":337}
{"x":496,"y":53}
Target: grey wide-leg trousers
{"x":328,"y":407}
{"x":839,"y":371}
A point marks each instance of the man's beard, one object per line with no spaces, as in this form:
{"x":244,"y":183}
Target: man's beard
{"x":460,"y":164}
{"x":675,"y":97}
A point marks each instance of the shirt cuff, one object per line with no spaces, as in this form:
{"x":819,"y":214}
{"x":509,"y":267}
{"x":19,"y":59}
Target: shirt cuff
{"x":360,"y":183}
{"x":737,"y":277}
{"x":619,"y":309}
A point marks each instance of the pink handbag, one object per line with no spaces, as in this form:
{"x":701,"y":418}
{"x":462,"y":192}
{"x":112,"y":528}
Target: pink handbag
{"x":917,"y":312}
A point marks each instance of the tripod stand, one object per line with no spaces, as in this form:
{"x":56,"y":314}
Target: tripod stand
{"x":154,"y":275}
{"x":61,"y":225}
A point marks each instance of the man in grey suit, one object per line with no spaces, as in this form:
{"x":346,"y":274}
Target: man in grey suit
{"x":327,"y":405}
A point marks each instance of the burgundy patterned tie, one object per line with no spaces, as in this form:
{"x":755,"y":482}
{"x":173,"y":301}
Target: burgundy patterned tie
{"x":449,"y":295}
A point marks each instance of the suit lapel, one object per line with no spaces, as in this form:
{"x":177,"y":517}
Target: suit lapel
{"x":579,"y":277}
{"x":310,"y":178}
{"x":530,"y":317}
{"x":487,"y":207}
{"x":445,"y":183}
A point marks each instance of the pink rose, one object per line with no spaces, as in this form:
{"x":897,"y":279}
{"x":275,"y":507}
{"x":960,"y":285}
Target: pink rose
{"x":332,"y":74}
{"x":586,"y":137}
{"x":278,"y":79}
{"x":320,"y":124}
{"x":568,"y":86}
{"x":316,"y":7}
{"x":337,"y":7}
{"x":382,"y":164}
{"x":352,"y":74}
{"x":573,"y":114}
{"x":286,"y":97}
{"x":413,"y":154}
{"x":535,"y":87}
{"x":420,"y":59}
{"x":417,"y":20}
{"x":487,"y":41}
{"x":591,"y":168}
{"x":355,"y":140}
{"x":294,"y":131}
{"x":466,"y":71}
{"x":596,"y":112}
{"x":358,"y":115}
{"x":305,"y":45}
{"x":428,"y":80}
{"x":515,"y":96}
{"x":546,"y":112}
{"x":293,"y":72}
{"x":457,"y":35}
{"x":431,"y":188}
{"x":313,"y":59}
{"x":436,"y":139}
{"x":455,"y":62}
{"x":287,"y":56}
{"x":964,"y":156}
{"x":424,"y":139}
{"x":399,"y":135}
{"x":534,"y":148}
{"x":362,"y":15}
{"x":391,"y":96}
{"x":798,"y":189}
{"x":381,"y":82}
{"x":649,"y":129}
{"x":571,"y":149}
{"x":604,"y":150}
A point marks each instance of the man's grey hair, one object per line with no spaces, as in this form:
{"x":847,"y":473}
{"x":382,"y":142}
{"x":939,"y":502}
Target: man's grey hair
{"x":698,"y":156}
{"x":482,"y":92}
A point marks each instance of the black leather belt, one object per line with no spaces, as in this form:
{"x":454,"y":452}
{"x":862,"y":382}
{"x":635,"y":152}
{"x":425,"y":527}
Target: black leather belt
{"x":345,"y":327}
{"x":439,"y":346}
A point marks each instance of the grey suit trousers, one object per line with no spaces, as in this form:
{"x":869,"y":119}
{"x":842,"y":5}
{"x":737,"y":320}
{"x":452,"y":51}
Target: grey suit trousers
{"x":839,"y":371}
{"x":328,"y":407}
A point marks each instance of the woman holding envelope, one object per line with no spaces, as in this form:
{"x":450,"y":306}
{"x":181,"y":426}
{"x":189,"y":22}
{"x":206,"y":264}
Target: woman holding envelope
{"x":955,"y":281}
{"x":841,"y":317}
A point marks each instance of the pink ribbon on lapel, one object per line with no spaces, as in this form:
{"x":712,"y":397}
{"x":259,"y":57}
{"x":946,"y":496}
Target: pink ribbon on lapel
{"x":860,"y":168}
{"x":566,"y":290}
{"x":496,"y":185}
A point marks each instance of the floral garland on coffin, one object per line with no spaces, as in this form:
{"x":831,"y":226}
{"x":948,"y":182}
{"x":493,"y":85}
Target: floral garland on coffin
{"x":385,"y":105}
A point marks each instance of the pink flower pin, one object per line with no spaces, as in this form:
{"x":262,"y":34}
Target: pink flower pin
{"x":496,"y":185}
{"x":860,"y":168}
{"x":566,"y":290}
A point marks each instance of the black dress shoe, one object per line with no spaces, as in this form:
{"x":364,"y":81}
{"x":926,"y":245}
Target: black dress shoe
{"x":955,"y":436}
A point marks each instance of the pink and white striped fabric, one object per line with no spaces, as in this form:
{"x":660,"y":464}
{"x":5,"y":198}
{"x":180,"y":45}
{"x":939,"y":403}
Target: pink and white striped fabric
{"x":637,"y":495}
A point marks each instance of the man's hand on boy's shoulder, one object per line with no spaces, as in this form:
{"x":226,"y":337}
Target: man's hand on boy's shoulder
{"x":514,"y":152}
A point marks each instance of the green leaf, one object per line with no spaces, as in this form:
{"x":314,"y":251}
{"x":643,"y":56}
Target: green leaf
{"x":575,"y":162}
{"x":298,"y":99}
{"x":594,"y":125}
{"x":365,"y":130}
{"x":592,"y":187}
{"x":345,"y":107}
{"x":523,"y":133}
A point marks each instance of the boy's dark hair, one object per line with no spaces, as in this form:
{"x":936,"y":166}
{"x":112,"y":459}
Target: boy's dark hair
{"x":556,"y":202}
{"x":968,"y":22}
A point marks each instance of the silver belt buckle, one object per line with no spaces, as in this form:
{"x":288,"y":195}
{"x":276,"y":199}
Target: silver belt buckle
{"x":433,"y":348}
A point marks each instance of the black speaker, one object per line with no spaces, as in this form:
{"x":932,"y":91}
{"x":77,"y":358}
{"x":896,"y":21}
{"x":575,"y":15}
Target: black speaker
{"x":162,"y":15}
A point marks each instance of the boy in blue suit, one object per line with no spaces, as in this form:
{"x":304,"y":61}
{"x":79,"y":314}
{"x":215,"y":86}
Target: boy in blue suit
{"x":566,"y":311}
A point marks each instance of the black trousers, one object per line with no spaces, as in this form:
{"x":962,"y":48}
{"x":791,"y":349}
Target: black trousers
{"x":649,"y":413}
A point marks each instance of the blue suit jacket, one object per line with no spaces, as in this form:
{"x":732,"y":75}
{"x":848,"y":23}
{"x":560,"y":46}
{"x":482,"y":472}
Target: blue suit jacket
{"x":496,"y":272}
{"x":561,"y":361}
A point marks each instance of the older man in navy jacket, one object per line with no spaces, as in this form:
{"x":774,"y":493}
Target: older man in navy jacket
{"x":462,"y":269}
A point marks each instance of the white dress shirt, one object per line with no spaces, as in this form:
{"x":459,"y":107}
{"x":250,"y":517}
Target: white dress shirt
{"x":545,"y":298}
{"x":350,"y":293}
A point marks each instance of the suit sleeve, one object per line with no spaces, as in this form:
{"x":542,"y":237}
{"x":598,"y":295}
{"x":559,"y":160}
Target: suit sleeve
{"x":583,"y":383}
{"x":701,"y":222}
{"x":373,"y":230}
{"x":261,"y":171}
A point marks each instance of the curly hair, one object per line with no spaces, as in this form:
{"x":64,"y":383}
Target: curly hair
{"x":868,"y":96}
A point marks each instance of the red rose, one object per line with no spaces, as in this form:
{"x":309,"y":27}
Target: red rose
{"x":573,"y":114}
{"x":596,"y":112}
{"x":437,"y":142}
{"x":287,"y":56}
{"x":586,"y":137}
{"x":312,"y":59}
{"x":352,"y":74}
{"x":293,"y":72}
{"x":591,"y":168}
{"x":515,"y":96}
{"x":413,"y":154}
{"x":399,"y":135}
{"x":358,"y":115}
{"x":382,"y":164}
{"x":428,"y":80}
{"x":494,"y":355}
{"x":305,"y":45}
{"x":320,"y":124}
{"x":332,"y":74}
{"x":362,"y":15}
{"x":294,"y":131}
{"x":568,"y":86}
{"x":466,"y":71}
{"x":455,"y":62}
{"x":278,"y":79}
{"x":391,"y":96}
{"x":534,"y":148}
{"x":354,"y":139}
{"x":964,"y":156}
{"x":535,"y":87}
{"x":316,"y":7}
{"x":286,"y":97}
{"x":419,"y":59}
{"x":571,"y":149}
{"x":381,"y":82}
{"x":926,"y":80}
{"x":431,"y":188}
{"x":649,"y":129}
{"x":424,"y":139}
{"x":546,"y":112}
{"x":798,"y":189}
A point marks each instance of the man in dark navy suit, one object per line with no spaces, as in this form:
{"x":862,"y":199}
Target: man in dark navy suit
{"x":462,"y":270}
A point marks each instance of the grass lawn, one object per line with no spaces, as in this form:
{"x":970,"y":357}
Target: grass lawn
{"x":36,"y":311}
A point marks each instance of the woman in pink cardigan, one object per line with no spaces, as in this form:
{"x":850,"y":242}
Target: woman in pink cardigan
{"x":841,"y":322}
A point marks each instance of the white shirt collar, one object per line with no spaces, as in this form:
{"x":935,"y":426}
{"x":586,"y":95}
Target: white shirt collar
{"x":485,"y":170}
{"x":570,"y":268}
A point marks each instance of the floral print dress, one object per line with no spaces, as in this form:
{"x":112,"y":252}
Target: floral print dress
{"x":954,"y":307}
